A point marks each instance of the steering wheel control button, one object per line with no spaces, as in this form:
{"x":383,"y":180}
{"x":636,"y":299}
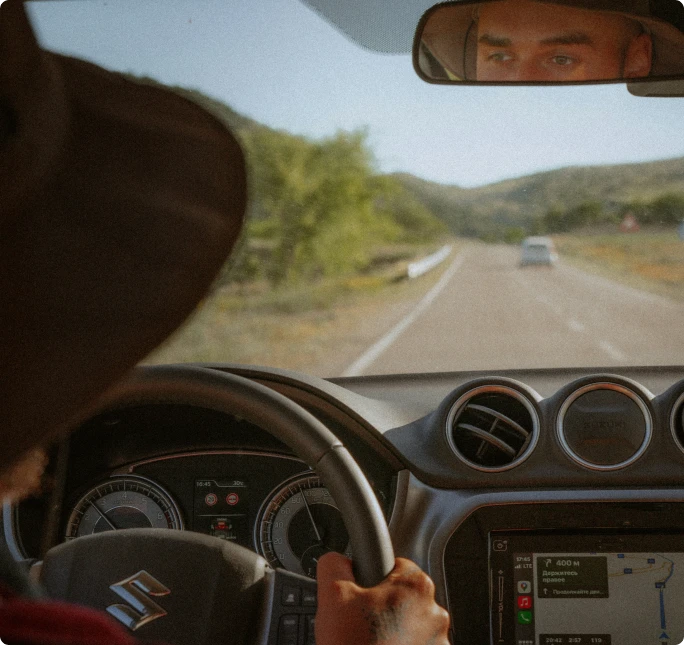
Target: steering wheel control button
{"x":292,"y":596}
{"x":308,"y":598}
{"x":288,"y":631}
{"x":604,"y":426}
{"x":293,"y":604}
{"x":311,"y":629}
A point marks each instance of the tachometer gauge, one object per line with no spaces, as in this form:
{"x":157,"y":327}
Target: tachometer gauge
{"x":298,"y":523}
{"x":123,"y":503}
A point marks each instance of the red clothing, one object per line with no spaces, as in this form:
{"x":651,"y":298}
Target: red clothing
{"x":45,"y":622}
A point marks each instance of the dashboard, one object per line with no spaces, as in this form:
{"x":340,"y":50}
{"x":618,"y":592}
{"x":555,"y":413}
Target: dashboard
{"x":547,"y":505}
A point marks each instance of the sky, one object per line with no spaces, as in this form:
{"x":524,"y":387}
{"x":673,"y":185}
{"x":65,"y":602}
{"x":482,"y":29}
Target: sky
{"x":280,"y":63}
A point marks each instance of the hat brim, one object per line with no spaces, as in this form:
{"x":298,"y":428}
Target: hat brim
{"x":121,"y":202}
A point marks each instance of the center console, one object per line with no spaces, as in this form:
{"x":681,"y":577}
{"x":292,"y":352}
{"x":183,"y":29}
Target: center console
{"x":568,"y":574}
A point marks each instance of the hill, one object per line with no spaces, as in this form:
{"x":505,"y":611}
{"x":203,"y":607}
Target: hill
{"x":525,"y":201}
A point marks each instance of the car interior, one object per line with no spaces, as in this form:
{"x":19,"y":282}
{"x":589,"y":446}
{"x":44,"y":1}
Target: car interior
{"x":516,"y":432}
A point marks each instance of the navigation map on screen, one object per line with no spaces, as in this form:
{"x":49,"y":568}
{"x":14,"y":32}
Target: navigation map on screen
{"x":630,"y":597}
{"x":574,"y":597}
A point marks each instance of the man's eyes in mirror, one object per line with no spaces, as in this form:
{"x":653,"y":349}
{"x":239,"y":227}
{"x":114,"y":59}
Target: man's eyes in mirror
{"x":563,"y":61}
{"x":499,"y":57}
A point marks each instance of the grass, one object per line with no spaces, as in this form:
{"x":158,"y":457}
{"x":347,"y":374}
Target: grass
{"x":319,"y":328}
{"x":649,"y":259}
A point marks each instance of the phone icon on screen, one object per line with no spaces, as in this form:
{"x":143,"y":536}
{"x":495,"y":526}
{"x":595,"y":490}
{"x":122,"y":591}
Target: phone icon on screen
{"x":524,"y":617}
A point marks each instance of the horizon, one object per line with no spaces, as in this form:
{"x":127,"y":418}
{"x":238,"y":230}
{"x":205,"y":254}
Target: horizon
{"x":544,"y":172}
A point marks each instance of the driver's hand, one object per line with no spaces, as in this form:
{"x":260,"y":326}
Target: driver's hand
{"x":400,"y":610}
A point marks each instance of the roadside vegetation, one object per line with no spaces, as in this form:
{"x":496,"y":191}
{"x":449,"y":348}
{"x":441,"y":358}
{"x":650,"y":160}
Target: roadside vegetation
{"x":648,"y":259}
{"x":319,"y":327}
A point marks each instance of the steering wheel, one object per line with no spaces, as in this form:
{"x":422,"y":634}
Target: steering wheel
{"x":190,"y":589}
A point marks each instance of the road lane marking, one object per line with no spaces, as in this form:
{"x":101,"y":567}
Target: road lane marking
{"x":612,"y":351}
{"x":573,"y":324}
{"x":523,"y":278}
{"x":373,"y":352}
{"x":576,"y":325}
{"x":622,"y":291}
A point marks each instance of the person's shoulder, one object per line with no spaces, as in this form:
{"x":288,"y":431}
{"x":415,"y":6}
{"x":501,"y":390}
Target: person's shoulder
{"x":28,"y":621}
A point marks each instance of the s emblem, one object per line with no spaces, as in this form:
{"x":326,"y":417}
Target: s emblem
{"x":140,"y":608}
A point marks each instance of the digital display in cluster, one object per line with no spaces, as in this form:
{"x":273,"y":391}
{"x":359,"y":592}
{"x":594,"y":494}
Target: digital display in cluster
{"x":220,"y":509}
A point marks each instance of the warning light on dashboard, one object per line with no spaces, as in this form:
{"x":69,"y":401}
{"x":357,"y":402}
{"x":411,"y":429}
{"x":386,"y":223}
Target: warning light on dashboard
{"x":210,"y":499}
{"x":232,"y":499}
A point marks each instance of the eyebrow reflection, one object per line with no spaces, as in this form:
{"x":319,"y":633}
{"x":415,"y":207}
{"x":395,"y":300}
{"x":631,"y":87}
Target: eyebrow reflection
{"x":572,"y":38}
{"x":494,"y":41}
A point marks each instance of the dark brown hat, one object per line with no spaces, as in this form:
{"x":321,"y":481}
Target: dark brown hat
{"x":449,"y":33}
{"x":119,"y":203}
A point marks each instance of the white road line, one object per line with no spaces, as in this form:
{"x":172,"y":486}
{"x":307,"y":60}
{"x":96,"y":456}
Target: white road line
{"x":373,"y":352}
{"x":622,"y":290}
{"x":612,"y":351}
{"x":576,"y":325}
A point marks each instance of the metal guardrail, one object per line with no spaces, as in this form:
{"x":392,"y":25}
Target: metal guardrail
{"x":420,"y":267}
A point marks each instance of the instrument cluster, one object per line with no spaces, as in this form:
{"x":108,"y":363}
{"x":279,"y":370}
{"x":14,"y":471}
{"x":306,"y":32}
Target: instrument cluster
{"x":270,"y":503}
{"x":182,"y":468}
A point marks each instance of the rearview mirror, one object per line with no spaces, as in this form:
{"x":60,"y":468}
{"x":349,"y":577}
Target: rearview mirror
{"x":554,"y":41}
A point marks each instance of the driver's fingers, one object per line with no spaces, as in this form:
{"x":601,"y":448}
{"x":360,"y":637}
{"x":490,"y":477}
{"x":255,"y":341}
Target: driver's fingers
{"x":334,"y":567}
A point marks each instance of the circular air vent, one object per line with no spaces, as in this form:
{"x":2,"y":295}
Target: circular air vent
{"x":677,"y":421}
{"x":604,"y":426}
{"x":492,"y":428}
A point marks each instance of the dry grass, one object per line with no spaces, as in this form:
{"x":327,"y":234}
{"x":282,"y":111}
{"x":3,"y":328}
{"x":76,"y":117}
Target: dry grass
{"x":651,"y":260}
{"x":316,"y":328}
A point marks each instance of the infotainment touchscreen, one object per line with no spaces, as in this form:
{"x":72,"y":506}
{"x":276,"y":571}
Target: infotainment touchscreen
{"x":551,"y":588}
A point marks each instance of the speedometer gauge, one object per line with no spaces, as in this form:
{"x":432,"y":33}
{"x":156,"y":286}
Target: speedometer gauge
{"x":298,"y":523}
{"x":123,"y":503}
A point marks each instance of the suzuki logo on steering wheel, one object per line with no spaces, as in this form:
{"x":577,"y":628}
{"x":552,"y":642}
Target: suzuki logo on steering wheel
{"x":136,"y":591}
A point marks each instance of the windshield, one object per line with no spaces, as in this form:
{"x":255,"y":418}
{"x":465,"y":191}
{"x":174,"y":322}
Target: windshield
{"x":387,"y":216}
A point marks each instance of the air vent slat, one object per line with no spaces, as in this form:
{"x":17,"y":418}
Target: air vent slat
{"x":489,"y":438}
{"x":492,"y":427}
{"x":502,"y":417}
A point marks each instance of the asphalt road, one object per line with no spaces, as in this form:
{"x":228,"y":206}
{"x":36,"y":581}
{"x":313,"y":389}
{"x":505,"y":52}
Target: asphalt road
{"x":488,"y":313}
